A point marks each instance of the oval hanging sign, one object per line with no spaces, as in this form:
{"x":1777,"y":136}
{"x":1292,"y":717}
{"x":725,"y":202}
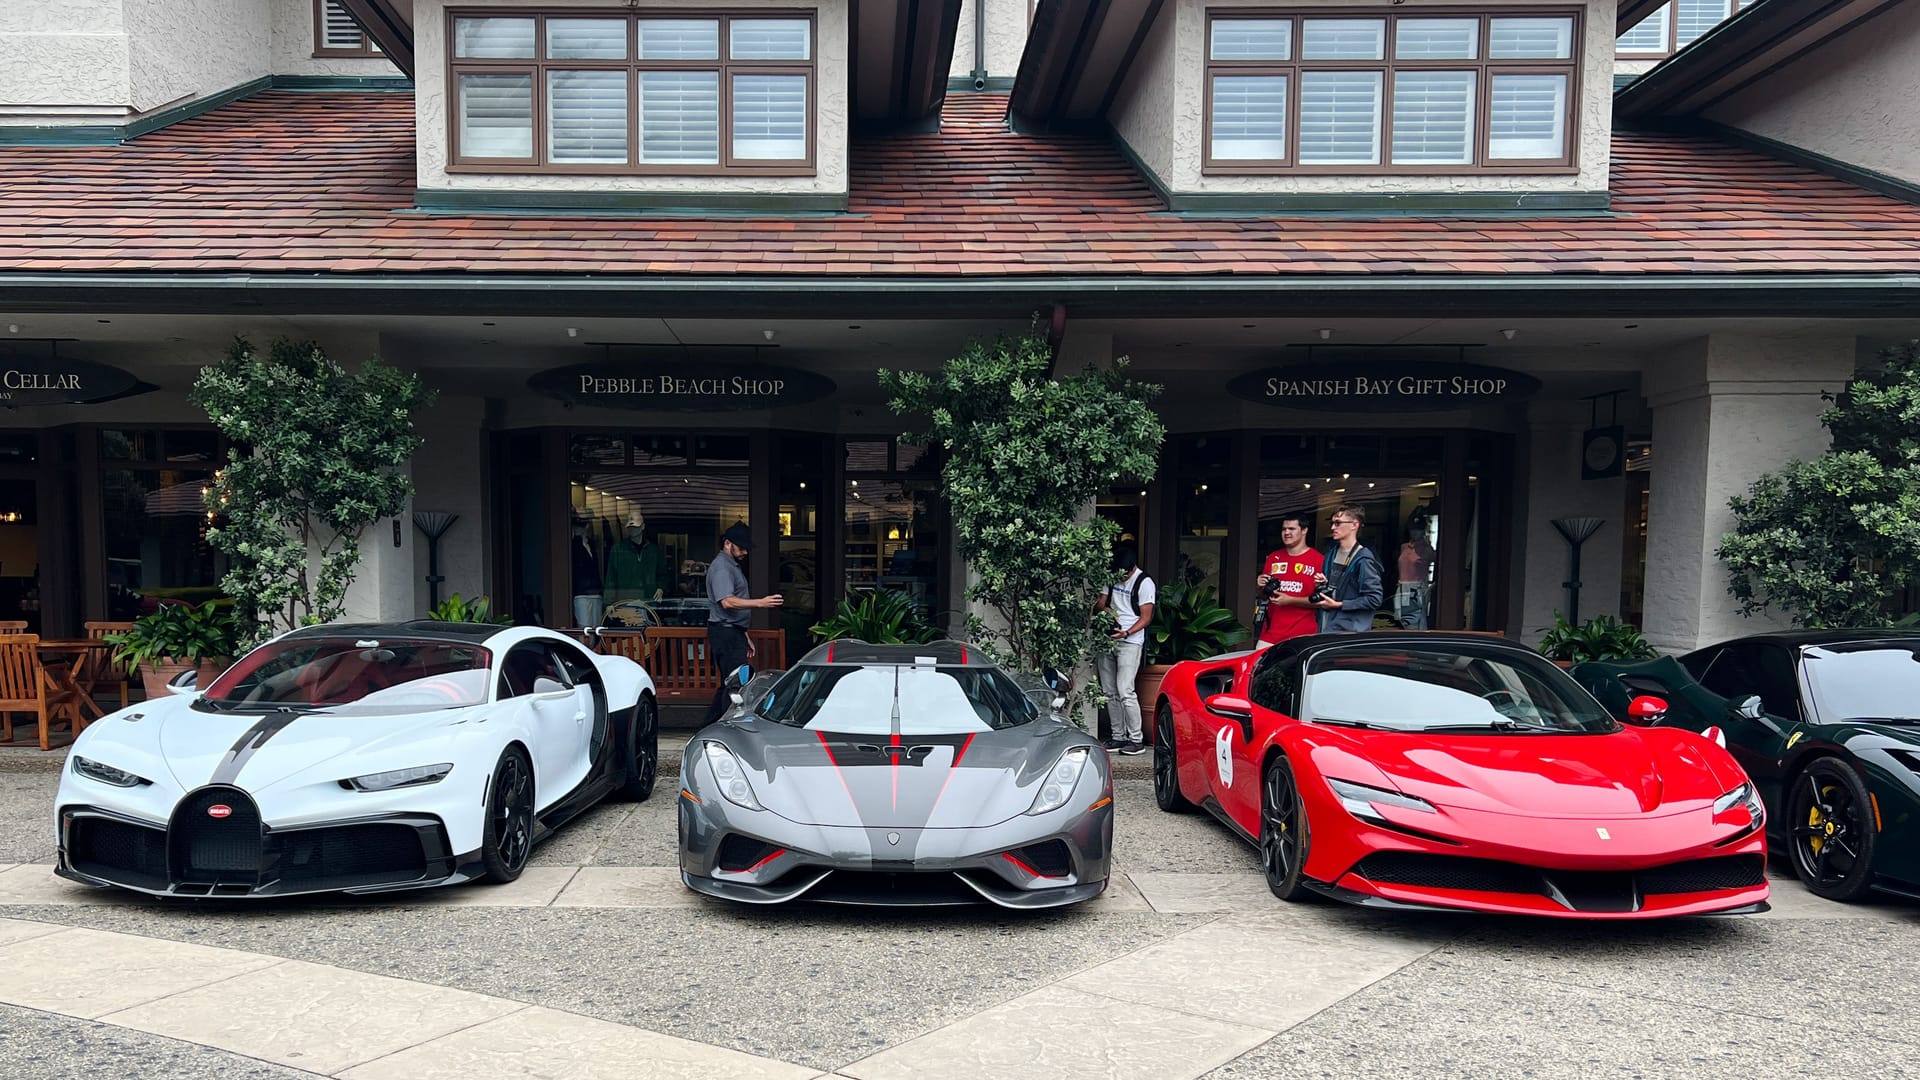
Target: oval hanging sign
{"x":679,"y":386}
{"x":1369,"y":385}
{"x":53,"y":380}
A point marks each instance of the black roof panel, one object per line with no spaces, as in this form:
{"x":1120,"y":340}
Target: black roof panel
{"x":413,"y":628}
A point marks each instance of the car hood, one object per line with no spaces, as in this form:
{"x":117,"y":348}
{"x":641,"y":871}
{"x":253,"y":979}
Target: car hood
{"x":1633,"y":772}
{"x":255,"y":751}
{"x":907,"y":782}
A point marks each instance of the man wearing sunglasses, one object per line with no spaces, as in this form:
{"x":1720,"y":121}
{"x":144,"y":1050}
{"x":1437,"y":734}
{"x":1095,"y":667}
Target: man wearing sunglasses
{"x":1350,"y":586}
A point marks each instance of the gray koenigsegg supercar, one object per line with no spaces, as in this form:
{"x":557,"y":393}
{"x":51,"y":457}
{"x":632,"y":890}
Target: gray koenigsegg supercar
{"x":895,"y":774}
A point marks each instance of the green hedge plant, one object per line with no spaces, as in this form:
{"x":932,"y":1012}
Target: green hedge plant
{"x":1189,"y":623}
{"x":1602,"y":637}
{"x":882,"y":617}
{"x":455,"y":608}
{"x":183,"y":633}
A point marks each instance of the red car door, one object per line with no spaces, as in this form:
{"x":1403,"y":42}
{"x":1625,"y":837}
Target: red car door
{"x":1233,"y":755}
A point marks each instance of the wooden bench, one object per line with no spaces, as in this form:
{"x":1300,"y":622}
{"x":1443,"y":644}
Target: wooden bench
{"x":676,"y":657}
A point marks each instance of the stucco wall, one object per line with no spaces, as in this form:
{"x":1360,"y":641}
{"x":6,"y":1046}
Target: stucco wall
{"x":1852,"y":99}
{"x":830,"y":113}
{"x":1178,"y":97}
{"x":1725,"y":409}
{"x":449,"y":474}
{"x":65,"y":62}
{"x":178,"y":50}
{"x":1555,"y":490}
{"x":1006,"y":38}
{"x":293,"y":47}
{"x":1143,"y":113}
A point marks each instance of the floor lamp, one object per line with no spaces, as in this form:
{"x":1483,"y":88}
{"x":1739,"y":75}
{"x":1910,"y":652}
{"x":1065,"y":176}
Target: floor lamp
{"x":435,"y":524}
{"x":1576,"y":530}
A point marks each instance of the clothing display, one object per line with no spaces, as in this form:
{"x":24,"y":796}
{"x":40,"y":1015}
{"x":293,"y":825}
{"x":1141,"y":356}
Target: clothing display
{"x":635,"y":572}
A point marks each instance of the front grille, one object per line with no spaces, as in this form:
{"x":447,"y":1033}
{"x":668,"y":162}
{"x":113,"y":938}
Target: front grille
{"x":1705,"y":875}
{"x":885,"y":888}
{"x":347,"y":856}
{"x":739,"y":853}
{"x":1577,"y":890}
{"x":1049,"y":859}
{"x":118,"y":851}
{"x":1449,"y":872}
{"x":215,"y":850}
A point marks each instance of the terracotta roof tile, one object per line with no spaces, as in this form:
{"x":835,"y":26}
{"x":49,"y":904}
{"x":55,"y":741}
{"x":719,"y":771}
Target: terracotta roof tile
{"x":286,"y":181}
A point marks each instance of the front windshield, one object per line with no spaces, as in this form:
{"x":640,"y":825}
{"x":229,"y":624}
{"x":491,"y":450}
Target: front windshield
{"x":1446,"y":688}
{"x":864,"y":700}
{"x":354,"y":676}
{"x":1877,"y":680}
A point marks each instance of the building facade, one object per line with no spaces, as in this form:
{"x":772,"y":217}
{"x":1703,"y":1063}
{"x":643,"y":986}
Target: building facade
{"x":1423,"y":258}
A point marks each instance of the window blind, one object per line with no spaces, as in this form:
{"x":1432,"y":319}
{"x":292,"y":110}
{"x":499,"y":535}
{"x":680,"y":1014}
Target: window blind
{"x":337,"y":28}
{"x":587,"y":117}
{"x":1249,"y":121}
{"x":586,"y":39}
{"x":1343,"y":39}
{"x":1650,"y":35}
{"x":1692,"y":18}
{"x":680,"y":117}
{"x":1528,"y":117}
{"x":769,"y":117}
{"x":679,"y":39}
{"x":492,"y":38}
{"x":767,"y":39}
{"x":1529,"y":39}
{"x":1251,"y":39}
{"x":1436,"y":39}
{"x":1340,"y":117}
{"x":1433,"y":117}
{"x":496,"y":116}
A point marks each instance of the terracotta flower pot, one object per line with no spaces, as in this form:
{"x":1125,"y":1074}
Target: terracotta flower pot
{"x":1147,"y":685}
{"x":154,"y":676}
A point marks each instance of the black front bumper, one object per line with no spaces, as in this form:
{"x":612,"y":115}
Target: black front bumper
{"x":238,"y":856}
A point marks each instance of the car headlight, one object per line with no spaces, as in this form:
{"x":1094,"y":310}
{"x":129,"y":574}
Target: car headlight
{"x":417,"y":776}
{"x":1746,"y":795}
{"x":1060,"y":781}
{"x":1360,"y":800}
{"x":107,"y":774}
{"x":733,"y":779}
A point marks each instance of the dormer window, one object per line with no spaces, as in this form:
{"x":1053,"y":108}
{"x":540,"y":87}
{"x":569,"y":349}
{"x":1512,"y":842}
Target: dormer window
{"x":1427,"y":92}
{"x":336,"y":34}
{"x":599,"y":91}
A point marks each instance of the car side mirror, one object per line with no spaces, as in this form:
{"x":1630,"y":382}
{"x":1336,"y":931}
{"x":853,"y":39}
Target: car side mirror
{"x":1749,"y":708}
{"x":1646,"y":709}
{"x":1236,"y":708}
{"x":756,"y":687}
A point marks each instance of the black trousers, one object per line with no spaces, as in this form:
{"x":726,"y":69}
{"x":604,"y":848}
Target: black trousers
{"x":727,"y":648}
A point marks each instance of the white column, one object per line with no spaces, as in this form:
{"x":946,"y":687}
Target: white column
{"x":1726,"y":409}
{"x":1556,"y":430}
{"x":449,"y":475}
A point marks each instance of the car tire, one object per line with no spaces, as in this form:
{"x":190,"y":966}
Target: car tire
{"x":507,"y":841}
{"x":1166,"y":764}
{"x":643,"y":751}
{"x":1830,"y":830}
{"x":1284,"y":832}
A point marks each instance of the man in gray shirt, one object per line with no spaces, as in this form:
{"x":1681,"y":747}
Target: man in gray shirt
{"x":729,"y":612}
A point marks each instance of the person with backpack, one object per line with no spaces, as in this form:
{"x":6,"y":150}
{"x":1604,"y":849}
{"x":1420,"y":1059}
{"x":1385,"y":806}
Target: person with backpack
{"x":1350,"y":588}
{"x":1130,"y":597}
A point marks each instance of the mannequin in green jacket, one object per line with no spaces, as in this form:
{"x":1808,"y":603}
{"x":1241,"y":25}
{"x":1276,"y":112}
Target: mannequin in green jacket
{"x":636,"y":568}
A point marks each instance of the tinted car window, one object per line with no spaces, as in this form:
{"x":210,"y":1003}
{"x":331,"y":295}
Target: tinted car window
{"x":1458,"y":687}
{"x":1276,"y":685}
{"x":865,"y":699}
{"x":356,"y":676}
{"x":1731,"y":673}
{"x":1775,"y":682}
{"x":526,"y":665}
{"x":1864,"y":680}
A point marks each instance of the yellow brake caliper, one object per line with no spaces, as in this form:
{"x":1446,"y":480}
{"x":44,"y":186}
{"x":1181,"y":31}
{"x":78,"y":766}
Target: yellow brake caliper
{"x":1820,"y":823}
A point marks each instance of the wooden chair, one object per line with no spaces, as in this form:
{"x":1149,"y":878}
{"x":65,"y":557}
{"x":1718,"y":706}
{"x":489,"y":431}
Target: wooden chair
{"x":102,"y":673}
{"x":13,"y":626}
{"x":25,"y":686}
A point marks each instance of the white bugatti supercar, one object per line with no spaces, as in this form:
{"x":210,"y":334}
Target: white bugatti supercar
{"x":359,"y":758}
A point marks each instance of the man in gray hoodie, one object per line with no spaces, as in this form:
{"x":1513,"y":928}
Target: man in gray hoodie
{"x":1350,"y":585}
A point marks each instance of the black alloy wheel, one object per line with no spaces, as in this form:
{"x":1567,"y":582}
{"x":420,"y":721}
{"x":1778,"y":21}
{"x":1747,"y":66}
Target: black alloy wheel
{"x":1284,"y":835}
{"x":509,"y":834}
{"x":1166,"y":764}
{"x":1832,"y":830}
{"x":643,"y":751}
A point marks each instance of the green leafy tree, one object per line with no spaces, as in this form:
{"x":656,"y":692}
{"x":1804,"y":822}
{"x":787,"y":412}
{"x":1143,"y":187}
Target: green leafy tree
{"x":1025,"y":454}
{"x":317,"y":451}
{"x":1830,"y":541}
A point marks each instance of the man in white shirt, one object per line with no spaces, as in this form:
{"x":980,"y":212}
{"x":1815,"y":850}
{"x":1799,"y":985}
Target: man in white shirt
{"x":1131,"y":598}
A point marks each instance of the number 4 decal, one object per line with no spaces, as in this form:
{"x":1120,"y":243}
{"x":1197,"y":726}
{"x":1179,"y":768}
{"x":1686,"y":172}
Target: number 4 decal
{"x":1223,"y":755}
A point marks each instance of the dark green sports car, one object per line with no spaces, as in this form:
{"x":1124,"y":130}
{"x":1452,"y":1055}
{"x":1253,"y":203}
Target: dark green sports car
{"x":1826,"y":723}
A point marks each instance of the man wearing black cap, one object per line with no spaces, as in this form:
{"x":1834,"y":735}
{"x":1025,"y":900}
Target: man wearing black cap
{"x":729,"y":611}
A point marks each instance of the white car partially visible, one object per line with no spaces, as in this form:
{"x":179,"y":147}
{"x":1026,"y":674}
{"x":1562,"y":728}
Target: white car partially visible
{"x":357,"y":758}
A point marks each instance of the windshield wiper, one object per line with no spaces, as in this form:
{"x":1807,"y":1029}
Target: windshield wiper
{"x":1337,"y":722}
{"x":1503,"y":723}
{"x":1882,"y":720}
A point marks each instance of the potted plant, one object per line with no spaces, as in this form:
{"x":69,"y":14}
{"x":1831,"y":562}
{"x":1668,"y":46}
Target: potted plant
{"x":455,"y":608}
{"x":882,"y":617}
{"x":1189,"y":623}
{"x":1602,"y":637}
{"x":175,"y":638}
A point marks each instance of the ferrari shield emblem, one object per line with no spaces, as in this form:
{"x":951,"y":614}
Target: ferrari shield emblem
{"x":1604,"y":835}
{"x":893,"y":838}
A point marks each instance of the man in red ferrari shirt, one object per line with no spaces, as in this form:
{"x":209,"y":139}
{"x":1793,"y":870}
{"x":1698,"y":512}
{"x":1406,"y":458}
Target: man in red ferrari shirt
{"x":1286,"y":578}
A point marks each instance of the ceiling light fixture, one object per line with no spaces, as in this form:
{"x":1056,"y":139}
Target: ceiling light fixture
{"x":573,"y":331}
{"x":1508,"y":333}
{"x":768,"y":334}
{"x":1325,"y":333}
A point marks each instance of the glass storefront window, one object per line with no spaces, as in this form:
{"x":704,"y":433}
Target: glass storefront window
{"x":19,"y":447}
{"x":1201,"y":507}
{"x":19,"y":553}
{"x":892,"y":541}
{"x":119,"y":445}
{"x":1402,"y":528}
{"x":192,"y":447}
{"x":596,"y":449}
{"x":721,"y":450}
{"x":798,"y":482}
{"x":660,"y":450}
{"x":652,"y":534}
{"x":156,"y":539}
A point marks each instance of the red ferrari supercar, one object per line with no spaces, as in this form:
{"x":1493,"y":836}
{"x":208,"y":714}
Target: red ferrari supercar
{"x":1435,"y":770}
